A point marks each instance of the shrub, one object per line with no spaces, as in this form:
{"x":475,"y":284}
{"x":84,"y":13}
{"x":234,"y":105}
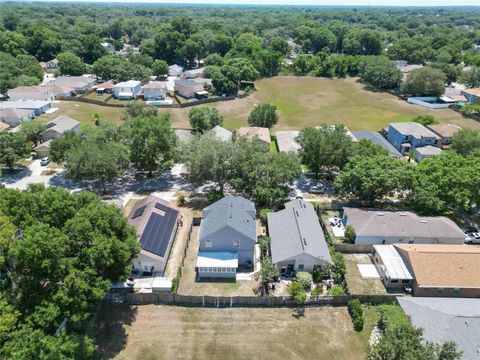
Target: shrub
{"x":318,"y":290}
{"x":350,"y":234}
{"x":214,"y":196}
{"x":356,"y":312}
{"x":298,"y":292}
{"x":264,"y":243}
{"x":175,"y":283}
{"x":338,"y":269}
{"x":181,"y":200}
{"x":320,"y":272}
{"x":304,"y":278}
{"x":263,"y":215}
{"x":337,"y":290}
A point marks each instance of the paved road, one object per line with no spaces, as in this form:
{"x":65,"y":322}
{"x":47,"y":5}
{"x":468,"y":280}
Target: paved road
{"x":30,"y":175}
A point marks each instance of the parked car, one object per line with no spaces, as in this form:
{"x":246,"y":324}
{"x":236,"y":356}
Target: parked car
{"x":472,"y":238}
{"x":45,"y":161}
{"x":316,"y":189}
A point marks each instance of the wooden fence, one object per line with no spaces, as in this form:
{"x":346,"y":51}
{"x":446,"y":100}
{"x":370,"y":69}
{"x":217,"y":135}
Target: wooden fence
{"x":204,"y":101}
{"x":241,"y":301}
{"x":354,"y":248}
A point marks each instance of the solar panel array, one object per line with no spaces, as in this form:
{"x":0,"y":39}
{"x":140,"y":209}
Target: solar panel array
{"x":158,"y":231}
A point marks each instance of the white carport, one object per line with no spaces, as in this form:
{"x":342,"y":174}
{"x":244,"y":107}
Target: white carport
{"x":217,"y":264}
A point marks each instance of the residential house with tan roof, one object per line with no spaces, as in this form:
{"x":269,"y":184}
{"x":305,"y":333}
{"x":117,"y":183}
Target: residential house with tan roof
{"x":14,"y":117}
{"x":380,"y":226}
{"x":443,"y":270}
{"x":155,"y":90}
{"x":445,"y":132}
{"x":255,"y":133}
{"x":156,"y":223}
{"x":31,"y":92}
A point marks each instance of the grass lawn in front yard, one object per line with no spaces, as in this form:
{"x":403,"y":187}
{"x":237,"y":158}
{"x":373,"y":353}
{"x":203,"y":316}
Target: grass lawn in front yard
{"x":356,"y":283}
{"x":190,"y":285}
{"x":168,"y":332}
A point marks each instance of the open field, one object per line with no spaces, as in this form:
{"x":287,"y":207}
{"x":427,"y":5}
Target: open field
{"x":167,"y":332}
{"x":302,"y":102}
{"x":356,"y":283}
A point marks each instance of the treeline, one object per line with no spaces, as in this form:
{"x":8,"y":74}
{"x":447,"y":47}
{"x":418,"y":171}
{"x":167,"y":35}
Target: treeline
{"x":439,"y":37}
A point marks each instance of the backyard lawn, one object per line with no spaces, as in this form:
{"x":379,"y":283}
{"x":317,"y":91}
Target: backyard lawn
{"x":168,"y":332}
{"x":302,"y":102}
{"x":356,"y":283}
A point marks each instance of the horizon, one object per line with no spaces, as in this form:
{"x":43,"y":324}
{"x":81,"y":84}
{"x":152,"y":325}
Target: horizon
{"x":312,"y":3}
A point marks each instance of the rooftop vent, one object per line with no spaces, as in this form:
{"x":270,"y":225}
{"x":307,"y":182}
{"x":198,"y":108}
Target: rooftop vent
{"x":304,"y":241}
{"x":403,"y":214}
{"x":380,"y":214}
{"x":423,"y":221}
{"x":296,"y":212}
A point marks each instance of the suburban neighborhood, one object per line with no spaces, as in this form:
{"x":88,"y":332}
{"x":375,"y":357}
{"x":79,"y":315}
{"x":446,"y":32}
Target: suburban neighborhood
{"x":188,"y":181}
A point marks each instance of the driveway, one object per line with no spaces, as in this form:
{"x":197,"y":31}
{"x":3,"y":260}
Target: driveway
{"x":29,"y":175}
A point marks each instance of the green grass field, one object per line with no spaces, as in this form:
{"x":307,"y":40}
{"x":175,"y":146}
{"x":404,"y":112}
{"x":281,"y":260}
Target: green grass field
{"x":301,"y":101}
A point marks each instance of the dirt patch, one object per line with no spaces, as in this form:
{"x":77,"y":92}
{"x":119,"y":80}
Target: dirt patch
{"x":162,"y":332}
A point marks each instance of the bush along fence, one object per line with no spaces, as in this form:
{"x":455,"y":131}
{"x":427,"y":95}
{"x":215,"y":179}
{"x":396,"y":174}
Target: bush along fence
{"x":242,"y":301}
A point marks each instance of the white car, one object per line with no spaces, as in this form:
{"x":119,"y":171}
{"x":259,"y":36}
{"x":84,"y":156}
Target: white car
{"x":45,"y":161}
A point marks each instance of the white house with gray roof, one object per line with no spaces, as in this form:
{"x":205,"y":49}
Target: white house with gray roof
{"x":221,"y":133}
{"x":297,"y":240}
{"x":381,"y":226}
{"x":287,"y":141}
{"x":227,"y":237}
{"x":427,"y":152}
{"x":59,"y":126}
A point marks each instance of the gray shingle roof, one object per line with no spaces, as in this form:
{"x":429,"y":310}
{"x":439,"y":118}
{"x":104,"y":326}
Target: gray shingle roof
{"x":287,"y":141}
{"x":295,"y":231}
{"x":445,"y":319}
{"x":232,"y":211}
{"x":222,"y":133}
{"x":428,"y":150}
{"x":376,"y":138}
{"x":414,"y":129}
{"x":62,"y":124}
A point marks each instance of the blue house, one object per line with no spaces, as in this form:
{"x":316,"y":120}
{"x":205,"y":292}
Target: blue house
{"x":410,"y":135}
{"x":227,"y":238}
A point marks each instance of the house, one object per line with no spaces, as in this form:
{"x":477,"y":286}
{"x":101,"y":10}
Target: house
{"x":175,"y":70}
{"x":184,"y":136}
{"x":43,"y":149}
{"x":60,"y":91}
{"x":52,"y":64}
{"x":155,"y":90}
{"x":127,"y":90}
{"x":37,"y":106}
{"x":410,"y":135}
{"x":391,"y":267}
{"x":453,"y":99}
{"x":207,"y":83}
{"x":30,"y":92}
{"x":472,"y":95}
{"x":379,"y":226}
{"x":221,"y":133}
{"x":346,"y":130}
{"x":81,"y":84}
{"x":59,"y":126}
{"x":445,"y":132}
{"x":287,"y":141}
{"x":109,"y":47}
{"x":426,"y":152}
{"x":105,"y":87}
{"x":187,"y":88}
{"x":446,"y":319}
{"x":256,"y":133}
{"x":297,"y":241}
{"x":194,"y":73}
{"x":442,"y":270}
{"x":406,"y":68}
{"x":156,"y":224}
{"x":376,"y":138}
{"x":227,"y":237}
{"x":14,"y":117}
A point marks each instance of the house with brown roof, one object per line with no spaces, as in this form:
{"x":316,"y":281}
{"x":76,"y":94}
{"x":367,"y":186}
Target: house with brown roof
{"x":445,"y":132}
{"x":31,"y":93}
{"x":14,"y":117}
{"x":155,"y":90}
{"x":381,"y":226}
{"x":255,"y":133}
{"x":442,"y":270}
{"x":156,"y":223}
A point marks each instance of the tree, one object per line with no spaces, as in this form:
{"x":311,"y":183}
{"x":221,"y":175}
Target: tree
{"x":263,"y":115}
{"x":43,"y":43}
{"x":471,"y":77}
{"x":304,"y":278}
{"x":298,"y":293}
{"x":119,"y":68}
{"x":371,"y":179}
{"x":160,"y":68}
{"x":267,"y":273}
{"x":279,"y":44}
{"x":91,"y":48}
{"x":33,"y":130}
{"x":70,"y":64}
{"x":204,"y":118}
{"x":239,"y":69}
{"x":350,"y":234}
{"x":213,"y":60}
{"x":151,"y":141}
{"x":363,"y":42}
{"x":138,"y":108}
{"x":380,"y":72}
{"x":466,"y":141}
{"x":60,"y":146}
{"x":325,"y":148}
{"x":302,"y":64}
{"x":99,"y":161}
{"x":425,"y":120}
{"x":221,"y":44}
{"x":207,"y":159}
{"x":13,"y":147}
{"x":425,"y":81}
{"x":338,"y":269}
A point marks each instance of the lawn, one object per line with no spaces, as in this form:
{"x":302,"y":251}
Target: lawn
{"x":302,"y":102}
{"x":356,"y":283}
{"x":167,"y":332}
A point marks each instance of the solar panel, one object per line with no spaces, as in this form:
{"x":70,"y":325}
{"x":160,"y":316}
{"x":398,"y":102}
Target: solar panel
{"x":139,"y":212}
{"x":158,"y":231}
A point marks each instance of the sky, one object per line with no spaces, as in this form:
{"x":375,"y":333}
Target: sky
{"x":302,"y":2}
